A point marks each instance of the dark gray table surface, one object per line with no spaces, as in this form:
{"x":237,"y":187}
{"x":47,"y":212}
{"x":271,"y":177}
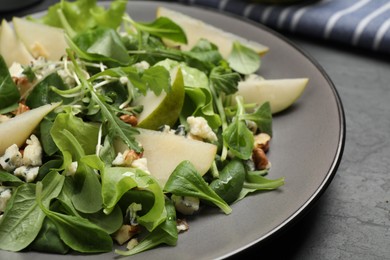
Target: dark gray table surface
{"x":351,"y":220}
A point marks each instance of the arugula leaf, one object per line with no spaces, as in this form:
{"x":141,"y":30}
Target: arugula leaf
{"x":116,"y":128}
{"x":9,"y":93}
{"x":243,"y":59}
{"x":186,"y":181}
{"x":157,"y":79}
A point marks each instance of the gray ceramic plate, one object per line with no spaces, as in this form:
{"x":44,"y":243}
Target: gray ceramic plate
{"x":306,"y":149}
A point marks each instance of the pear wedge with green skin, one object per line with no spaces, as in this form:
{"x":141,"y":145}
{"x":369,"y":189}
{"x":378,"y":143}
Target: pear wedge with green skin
{"x":165,"y":151}
{"x":17,"y":129}
{"x":196,"y":29}
{"x":40,"y":39}
{"x":281,"y":93}
{"x":11,"y":48}
{"x":163,"y":109}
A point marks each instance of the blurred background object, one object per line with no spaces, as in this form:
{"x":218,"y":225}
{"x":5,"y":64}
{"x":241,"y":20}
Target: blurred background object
{"x":13,"y":5}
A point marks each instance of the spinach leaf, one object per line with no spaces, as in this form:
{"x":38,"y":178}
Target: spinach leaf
{"x":165,"y":233}
{"x":108,"y":222}
{"x":118,"y":180}
{"x":186,"y":181}
{"x":85,"y":133}
{"x":99,"y":44}
{"x":243,"y":59}
{"x":23,"y":217}
{"x":78,"y":233}
{"x":77,"y":138}
{"x":47,"y":142}
{"x":48,"y":240}
{"x":162,"y":27}
{"x":9,"y":93}
{"x":199,"y":102}
{"x":239,"y":139}
{"x":43,"y":94}
{"x":7,"y":178}
{"x":115,"y":183}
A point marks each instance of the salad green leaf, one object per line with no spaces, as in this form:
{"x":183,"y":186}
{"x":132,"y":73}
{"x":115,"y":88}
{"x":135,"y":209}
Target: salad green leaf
{"x":23,"y":218}
{"x":186,"y":181}
{"x":9,"y":94}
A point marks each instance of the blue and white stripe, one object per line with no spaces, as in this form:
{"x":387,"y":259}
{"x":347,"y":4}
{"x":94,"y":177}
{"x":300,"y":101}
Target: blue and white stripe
{"x":359,"y":23}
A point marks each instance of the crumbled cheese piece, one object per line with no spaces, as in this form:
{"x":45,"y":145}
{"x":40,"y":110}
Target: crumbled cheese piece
{"x":72,"y":168}
{"x":125,"y":159}
{"x":143,"y":65}
{"x":27,"y":173}
{"x":16,"y":70}
{"x":5,"y":195}
{"x":32,"y":154}
{"x":123,"y":80}
{"x":11,"y":159}
{"x":200,"y":128}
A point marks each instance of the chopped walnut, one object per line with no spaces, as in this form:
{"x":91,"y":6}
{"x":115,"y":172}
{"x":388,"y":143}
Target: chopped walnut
{"x":21,"y":109}
{"x":182,"y":225}
{"x":129,"y":119}
{"x":22,"y":83}
{"x":262,"y":141}
{"x":260,"y":159}
{"x":127,"y":158}
{"x":125,"y":233}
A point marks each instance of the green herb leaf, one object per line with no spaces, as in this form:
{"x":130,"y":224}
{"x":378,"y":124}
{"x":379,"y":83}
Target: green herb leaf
{"x":186,"y":181}
{"x":23,"y":217}
{"x":162,"y":27}
{"x":78,"y":233}
{"x":224,"y":80}
{"x":9,"y":93}
{"x":243,"y":59}
{"x":165,"y":233}
{"x":82,"y":15}
{"x":262,"y":116}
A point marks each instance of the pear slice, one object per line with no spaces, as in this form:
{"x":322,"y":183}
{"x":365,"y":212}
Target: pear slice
{"x":281,"y":93}
{"x":163,"y":109}
{"x":17,"y":129}
{"x":40,"y":39}
{"x":196,"y":29}
{"x":165,"y":151}
{"x":11,"y":48}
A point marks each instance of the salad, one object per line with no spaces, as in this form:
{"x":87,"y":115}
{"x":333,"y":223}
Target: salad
{"x":124,"y":135}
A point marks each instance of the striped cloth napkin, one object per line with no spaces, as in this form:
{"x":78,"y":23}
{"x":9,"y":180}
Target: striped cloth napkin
{"x":358,"y":23}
